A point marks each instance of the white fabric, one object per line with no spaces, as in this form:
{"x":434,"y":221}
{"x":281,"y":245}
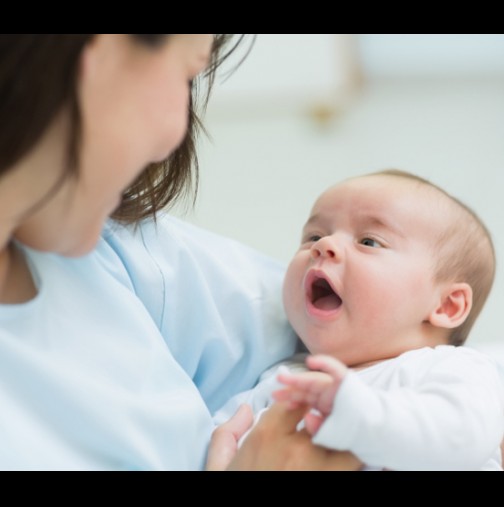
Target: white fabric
{"x":494,"y":349}
{"x":122,"y":356}
{"x":428,"y":409}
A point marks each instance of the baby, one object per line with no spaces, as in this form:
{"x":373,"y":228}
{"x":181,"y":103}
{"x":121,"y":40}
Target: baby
{"x":385,"y":287}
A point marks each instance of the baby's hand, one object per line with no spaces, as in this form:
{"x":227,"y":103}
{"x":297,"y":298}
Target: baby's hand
{"x":314,"y":388}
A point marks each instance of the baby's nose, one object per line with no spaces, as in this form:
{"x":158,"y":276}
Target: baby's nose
{"x":326,"y":247}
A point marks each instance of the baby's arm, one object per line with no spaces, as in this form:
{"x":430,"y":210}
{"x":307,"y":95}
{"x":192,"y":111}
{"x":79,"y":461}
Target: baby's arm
{"x":444,"y":413}
{"x":316,"y":388}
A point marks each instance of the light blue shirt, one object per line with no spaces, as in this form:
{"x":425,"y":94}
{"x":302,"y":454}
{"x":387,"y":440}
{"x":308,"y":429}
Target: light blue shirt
{"x":124,"y":354}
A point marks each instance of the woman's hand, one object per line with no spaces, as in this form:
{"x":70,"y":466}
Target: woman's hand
{"x":274,"y":444}
{"x":224,"y":442}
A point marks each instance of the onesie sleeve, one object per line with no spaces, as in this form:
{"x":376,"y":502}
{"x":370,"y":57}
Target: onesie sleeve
{"x":448,"y":415}
{"x":216,"y":301}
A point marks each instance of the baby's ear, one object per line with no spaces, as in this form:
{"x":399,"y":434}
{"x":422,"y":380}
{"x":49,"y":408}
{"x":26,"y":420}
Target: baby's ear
{"x":454,"y":306}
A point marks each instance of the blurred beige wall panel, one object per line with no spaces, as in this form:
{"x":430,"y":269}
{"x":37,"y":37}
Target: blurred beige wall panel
{"x":442,"y":55}
{"x":306,"y":73}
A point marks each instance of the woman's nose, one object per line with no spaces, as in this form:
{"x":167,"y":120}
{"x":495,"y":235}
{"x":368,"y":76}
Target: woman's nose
{"x":326,"y":247}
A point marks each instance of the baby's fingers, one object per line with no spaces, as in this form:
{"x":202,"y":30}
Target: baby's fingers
{"x":305,"y":381}
{"x":294,"y":397}
{"x":282,"y":395}
{"x":330,"y":365}
{"x":313,"y":422}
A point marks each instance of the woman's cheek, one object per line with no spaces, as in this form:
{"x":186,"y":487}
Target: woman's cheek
{"x":170,"y":122}
{"x":170,"y":135}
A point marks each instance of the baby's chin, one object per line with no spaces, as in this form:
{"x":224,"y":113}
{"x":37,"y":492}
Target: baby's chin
{"x":316,"y":345}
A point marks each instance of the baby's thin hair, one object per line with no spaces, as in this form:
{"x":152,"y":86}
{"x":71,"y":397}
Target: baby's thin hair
{"x":464,"y":252}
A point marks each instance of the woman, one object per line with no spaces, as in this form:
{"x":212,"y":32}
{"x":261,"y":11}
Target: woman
{"x":117,"y":342}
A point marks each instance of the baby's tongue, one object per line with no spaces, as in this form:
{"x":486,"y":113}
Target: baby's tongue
{"x":329,"y":302}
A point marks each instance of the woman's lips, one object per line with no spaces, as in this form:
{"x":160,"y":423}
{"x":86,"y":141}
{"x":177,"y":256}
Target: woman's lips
{"x":322,"y":301}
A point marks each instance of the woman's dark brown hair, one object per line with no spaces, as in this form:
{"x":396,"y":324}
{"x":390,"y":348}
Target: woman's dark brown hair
{"x":38,"y":77}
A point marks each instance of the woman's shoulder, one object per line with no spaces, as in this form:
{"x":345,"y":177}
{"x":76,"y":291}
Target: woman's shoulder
{"x":172,"y":246}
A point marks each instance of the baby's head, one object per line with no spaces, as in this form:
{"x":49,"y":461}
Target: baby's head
{"x":388,"y":262}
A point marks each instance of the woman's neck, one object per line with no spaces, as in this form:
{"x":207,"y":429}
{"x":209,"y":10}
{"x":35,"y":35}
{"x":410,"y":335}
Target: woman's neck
{"x":16,"y":282}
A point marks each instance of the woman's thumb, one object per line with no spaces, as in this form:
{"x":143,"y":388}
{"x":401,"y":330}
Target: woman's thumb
{"x":224,"y":442}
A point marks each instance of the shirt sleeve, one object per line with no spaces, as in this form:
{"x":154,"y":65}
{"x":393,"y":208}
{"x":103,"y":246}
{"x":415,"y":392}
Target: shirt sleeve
{"x":449,"y":418}
{"x":216,"y":301}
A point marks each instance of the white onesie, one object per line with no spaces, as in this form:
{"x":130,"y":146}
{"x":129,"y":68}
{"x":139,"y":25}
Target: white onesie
{"x":436,"y":408}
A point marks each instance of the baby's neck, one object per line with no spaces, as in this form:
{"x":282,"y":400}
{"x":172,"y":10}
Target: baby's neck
{"x":434,"y":342}
{"x":363,"y":366}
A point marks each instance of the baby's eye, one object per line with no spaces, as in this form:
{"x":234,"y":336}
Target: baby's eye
{"x":370,"y":242}
{"x":311,"y":238}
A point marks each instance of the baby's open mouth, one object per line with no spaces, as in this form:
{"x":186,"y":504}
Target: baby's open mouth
{"x":323,"y":296}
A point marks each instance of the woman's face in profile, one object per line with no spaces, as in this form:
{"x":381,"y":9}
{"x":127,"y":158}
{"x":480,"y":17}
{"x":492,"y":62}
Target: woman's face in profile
{"x":134,"y":101}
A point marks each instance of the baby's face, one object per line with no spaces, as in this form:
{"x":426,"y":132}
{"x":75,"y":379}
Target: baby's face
{"x":361,"y":284}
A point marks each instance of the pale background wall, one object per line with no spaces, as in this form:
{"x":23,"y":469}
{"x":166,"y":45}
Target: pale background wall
{"x":293,"y":120}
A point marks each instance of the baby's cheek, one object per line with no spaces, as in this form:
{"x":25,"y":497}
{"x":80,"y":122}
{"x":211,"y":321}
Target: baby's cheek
{"x":292,"y":287}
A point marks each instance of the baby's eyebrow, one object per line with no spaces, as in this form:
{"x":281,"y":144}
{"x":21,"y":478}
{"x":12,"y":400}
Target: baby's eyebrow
{"x":376,"y":221}
{"x":312,"y":220}
{"x":366,"y":220}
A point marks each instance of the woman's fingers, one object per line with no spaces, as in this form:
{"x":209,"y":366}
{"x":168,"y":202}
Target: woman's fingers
{"x":283,"y":418}
{"x":275,"y":444}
